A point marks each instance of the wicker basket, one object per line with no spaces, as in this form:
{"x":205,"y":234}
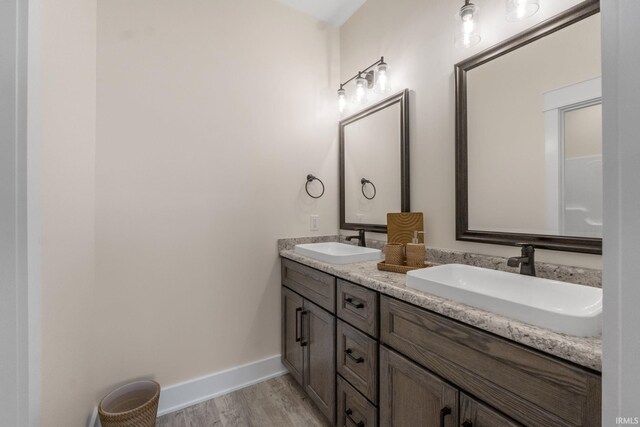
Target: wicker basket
{"x":132,"y":405}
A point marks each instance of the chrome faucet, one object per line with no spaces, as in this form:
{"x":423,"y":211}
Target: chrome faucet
{"x":526,"y":261}
{"x":360,"y":237}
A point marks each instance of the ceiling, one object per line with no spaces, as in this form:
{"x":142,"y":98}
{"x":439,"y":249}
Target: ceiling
{"x":335,"y":12}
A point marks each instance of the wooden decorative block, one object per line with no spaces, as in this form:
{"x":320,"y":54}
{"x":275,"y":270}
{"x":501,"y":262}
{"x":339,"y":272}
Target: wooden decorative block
{"x":400,"y":227}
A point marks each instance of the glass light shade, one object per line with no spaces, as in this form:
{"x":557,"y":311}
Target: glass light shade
{"x":342,"y":100}
{"x":517,"y":10}
{"x":467,"y":26}
{"x":382,"y":79}
{"x":361,"y":90}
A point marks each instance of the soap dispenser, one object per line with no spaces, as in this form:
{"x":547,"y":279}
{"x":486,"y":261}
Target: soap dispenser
{"x":415,"y":252}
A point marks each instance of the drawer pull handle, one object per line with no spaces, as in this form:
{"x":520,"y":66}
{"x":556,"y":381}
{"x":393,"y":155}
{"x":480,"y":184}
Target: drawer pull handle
{"x":467,"y":423}
{"x":350,"y":355}
{"x":303,"y":340}
{"x":298,"y":336}
{"x":443,"y":413}
{"x":348,"y":413}
{"x":351,"y":302}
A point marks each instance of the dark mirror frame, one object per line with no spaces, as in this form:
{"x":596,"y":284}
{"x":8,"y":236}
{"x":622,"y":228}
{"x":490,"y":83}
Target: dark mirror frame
{"x":401,"y":98}
{"x":560,"y":243}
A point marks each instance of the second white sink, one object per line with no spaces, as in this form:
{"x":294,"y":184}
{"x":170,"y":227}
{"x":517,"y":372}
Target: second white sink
{"x":338,"y":253}
{"x":559,"y":306}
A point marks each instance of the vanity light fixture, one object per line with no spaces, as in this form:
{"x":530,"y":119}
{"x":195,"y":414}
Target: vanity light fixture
{"x":467,"y":26}
{"x":517,"y":10}
{"x":342,"y":99}
{"x":382,"y":81}
{"x":361,"y":89}
{"x":375,"y":77}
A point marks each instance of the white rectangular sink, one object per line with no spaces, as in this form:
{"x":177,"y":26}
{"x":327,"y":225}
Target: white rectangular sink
{"x":338,"y":253}
{"x":559,"y":306}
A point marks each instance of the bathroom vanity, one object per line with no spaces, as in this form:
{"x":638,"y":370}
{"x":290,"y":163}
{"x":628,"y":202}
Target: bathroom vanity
{"x":369,"y":351}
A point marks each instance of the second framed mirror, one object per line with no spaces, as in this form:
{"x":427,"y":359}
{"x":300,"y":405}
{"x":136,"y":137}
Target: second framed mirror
{"x":374,"y":164}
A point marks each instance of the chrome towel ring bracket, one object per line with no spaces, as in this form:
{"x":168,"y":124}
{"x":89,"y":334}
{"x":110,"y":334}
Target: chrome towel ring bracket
{"x":310,"y":179}
{"x":365,"y":181}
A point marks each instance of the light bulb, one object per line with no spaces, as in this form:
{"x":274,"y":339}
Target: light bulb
{"x":361,"y":89}
{"x":517,"y":10}
{"x":342,"y":100}
{"x":382,"y":79}
{"x":467,"y":23}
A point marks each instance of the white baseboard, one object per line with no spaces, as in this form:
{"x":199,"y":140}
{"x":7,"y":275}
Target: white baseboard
{"x":188,"y":393}
{"x":94,"y":421}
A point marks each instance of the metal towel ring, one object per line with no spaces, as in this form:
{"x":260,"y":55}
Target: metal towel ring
{"x":365,"y":181}
{"x":310,"y":179}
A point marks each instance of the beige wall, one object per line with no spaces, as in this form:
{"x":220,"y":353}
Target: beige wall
{"x":506,"y":126}
{"x":210,"y":116}
{"x":416,"y":39}
{"x":68,"y":166}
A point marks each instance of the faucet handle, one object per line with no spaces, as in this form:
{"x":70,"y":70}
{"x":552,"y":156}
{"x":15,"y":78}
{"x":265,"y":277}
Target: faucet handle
{"x":527,"y":249}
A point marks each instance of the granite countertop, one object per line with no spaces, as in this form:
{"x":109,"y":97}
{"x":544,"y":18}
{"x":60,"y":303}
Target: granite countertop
{"x":586,"y":352}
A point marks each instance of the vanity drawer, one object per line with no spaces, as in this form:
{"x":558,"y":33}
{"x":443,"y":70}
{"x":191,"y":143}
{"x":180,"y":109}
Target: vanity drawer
{"x":358,"y":306}
{"x":357,"y":356}
{"x":314,"y":285}
{"x":528,"y":386}
{"x":353,"y":408}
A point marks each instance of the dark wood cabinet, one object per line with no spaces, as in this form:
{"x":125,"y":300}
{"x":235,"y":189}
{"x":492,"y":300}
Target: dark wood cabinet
{"x":476,"y":414}
{"x":292,"y":352}
{"x":309,"y":334}
{"x":412,"y":396}
{"x":528,"y":386}
{"x":425,"y":366}
{"x":319,"y":358}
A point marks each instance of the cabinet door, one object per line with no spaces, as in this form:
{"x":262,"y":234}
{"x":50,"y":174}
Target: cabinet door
{"x":292,"y":351}
{"x":412,"y":396}
{"x":320,"y":358}
{"x":476,"y":414}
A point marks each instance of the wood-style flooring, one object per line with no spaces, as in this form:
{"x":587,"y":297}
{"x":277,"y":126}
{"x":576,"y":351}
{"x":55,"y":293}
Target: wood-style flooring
{"x":279,"y":402}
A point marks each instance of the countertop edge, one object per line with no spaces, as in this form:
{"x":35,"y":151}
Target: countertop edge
{"x":583,"y":351}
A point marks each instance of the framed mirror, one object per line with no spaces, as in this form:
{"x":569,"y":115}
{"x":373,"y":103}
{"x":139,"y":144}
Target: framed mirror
{"x":529,"y":137}
{"x":374,"y":164}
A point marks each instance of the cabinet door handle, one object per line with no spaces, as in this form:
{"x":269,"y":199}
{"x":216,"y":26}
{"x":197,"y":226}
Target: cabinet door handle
{"x":350,"y":355}
{"x":298,"y":336}
{"x":303,"y":340}
{"x":354,"y":303}
{"x":443,"y":413}
{"x":348,"y":413}
{"x":467,"y":423}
